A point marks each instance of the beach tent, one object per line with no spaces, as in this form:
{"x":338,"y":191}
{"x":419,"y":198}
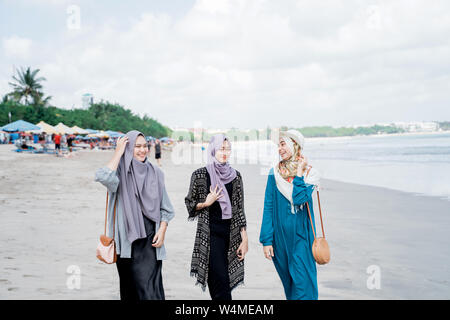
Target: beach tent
{"x":78,"y":130}
{"x":114,"y":134}
{"x":100,"y":134}
{"x":63,"y":129}
{"x":19,"y":125}
{"x":45,"y":127}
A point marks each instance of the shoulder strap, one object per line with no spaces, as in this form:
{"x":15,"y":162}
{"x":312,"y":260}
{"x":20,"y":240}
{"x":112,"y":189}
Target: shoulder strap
{"x":106,"y":214}
{"x":320,"y":211}
{"x":307,"y":172}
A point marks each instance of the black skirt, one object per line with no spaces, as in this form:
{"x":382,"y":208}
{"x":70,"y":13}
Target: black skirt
{"x":140,"y":276}
{"x":218,"y":278}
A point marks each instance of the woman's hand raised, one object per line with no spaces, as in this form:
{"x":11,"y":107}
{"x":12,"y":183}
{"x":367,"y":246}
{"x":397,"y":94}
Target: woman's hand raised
{"x":121,"y":145}
{"x":213,"y":196}
{"x":120,"y":149}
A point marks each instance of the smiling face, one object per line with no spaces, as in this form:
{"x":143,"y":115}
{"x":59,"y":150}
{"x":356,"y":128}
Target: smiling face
{"x":140,"y":148}
{"x":223,"y":153}
{"x":283,"y":150}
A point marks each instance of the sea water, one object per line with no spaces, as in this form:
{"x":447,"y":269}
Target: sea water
{"x":418,"y":163}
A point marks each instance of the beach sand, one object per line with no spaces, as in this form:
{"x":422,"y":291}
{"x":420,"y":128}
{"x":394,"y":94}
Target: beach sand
{"x":52,"y":213}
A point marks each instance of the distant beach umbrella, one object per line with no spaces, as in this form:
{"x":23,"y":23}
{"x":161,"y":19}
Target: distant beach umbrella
{"x":63,"y":129}
{"x":19,"y":125}
{"x":78,"y":130}
{"x":114,"y":134}
{"x":45,"y":127}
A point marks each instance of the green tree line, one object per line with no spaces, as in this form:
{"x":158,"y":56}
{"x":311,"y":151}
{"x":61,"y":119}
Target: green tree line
{"x":444,"y":125}
{"x":327,"y":131}
{"x":27,"y":102}
{"x":99,"y":116}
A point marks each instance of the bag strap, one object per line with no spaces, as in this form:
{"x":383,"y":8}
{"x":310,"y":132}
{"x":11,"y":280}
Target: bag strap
{"x":320,"y":210}
{"x":307,"y":172}
{"x":309,"y":213}
{"x":321,"y":221}
{"x":106,"y":214}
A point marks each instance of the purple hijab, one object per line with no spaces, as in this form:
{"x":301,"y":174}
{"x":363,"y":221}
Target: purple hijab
{"x":140,"y":190}
{"x":220,"y":173}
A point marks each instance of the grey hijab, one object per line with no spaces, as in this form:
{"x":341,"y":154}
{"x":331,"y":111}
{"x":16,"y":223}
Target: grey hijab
{"x":140,"y":190}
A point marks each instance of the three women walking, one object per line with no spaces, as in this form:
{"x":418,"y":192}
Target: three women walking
{"x":216,"y":200}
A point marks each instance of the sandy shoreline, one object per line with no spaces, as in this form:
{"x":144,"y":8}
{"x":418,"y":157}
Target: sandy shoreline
{"x":52,"y":213}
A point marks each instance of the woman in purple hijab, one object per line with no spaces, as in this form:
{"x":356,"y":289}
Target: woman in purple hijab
{"x":143,"y":210}
{"x":216,"y":200}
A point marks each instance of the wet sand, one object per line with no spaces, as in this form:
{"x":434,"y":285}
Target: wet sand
{"x":52,"y":213}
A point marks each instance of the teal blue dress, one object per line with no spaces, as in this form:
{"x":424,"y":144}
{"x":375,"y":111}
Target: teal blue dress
{"x":291,"y":237}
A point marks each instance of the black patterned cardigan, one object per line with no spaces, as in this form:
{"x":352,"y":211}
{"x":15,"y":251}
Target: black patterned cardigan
{"x":200,"y":256}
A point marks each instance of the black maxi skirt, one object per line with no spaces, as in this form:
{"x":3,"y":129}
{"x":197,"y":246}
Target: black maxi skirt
{"x":218,"y":279}
{"x":140,"y":276}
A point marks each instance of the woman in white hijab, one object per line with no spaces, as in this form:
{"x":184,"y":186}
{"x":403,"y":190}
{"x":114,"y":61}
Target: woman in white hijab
{"x":286,"y":229}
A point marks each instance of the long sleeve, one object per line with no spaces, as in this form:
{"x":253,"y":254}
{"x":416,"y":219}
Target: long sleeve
{"x":191,"y":200}
{"x":313,"y":177}
{"x":301,"y":191}
{"x":108,"y":178}
{"x":266,"y":235}
{"x":167,"y":210}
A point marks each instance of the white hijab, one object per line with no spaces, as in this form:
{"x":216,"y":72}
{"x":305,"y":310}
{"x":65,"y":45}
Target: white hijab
{"x":312,"y":176}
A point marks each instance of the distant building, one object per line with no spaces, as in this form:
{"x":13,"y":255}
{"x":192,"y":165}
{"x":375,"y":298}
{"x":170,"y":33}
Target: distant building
{"x":87,"y":99}
{"x":418,"y":126}
{"x":180,"y":129}
{"x":215,"y":131}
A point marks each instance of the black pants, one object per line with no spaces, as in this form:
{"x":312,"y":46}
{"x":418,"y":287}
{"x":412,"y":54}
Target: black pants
{"x":218,"y":279}
{"x":140,"y":276}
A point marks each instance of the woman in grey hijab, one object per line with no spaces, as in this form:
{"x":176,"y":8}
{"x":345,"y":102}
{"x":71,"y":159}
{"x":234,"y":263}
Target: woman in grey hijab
{"x":143,"y":210}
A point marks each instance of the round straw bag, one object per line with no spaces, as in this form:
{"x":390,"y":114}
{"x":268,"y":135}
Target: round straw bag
{"x":320,"y":248}
{"x":106,"y":249}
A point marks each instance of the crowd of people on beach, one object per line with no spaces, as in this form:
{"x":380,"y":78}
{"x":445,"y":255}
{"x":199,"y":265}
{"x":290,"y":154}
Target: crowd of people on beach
{"x":4,"y":137}
{"x":64,"y":145}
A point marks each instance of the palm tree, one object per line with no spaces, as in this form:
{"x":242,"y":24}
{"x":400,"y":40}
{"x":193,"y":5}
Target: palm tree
{"x":27,"y":87}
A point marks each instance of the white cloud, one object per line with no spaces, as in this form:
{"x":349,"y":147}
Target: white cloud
{"x":17,"y":47}
{"x":258,"y":63}
{"x":41,"y":2}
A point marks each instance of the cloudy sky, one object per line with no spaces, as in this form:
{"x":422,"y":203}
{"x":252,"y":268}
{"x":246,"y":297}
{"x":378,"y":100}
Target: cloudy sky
{"x":243,"y":63}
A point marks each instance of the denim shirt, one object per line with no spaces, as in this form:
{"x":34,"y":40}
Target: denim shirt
{"x":110,"y":180}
